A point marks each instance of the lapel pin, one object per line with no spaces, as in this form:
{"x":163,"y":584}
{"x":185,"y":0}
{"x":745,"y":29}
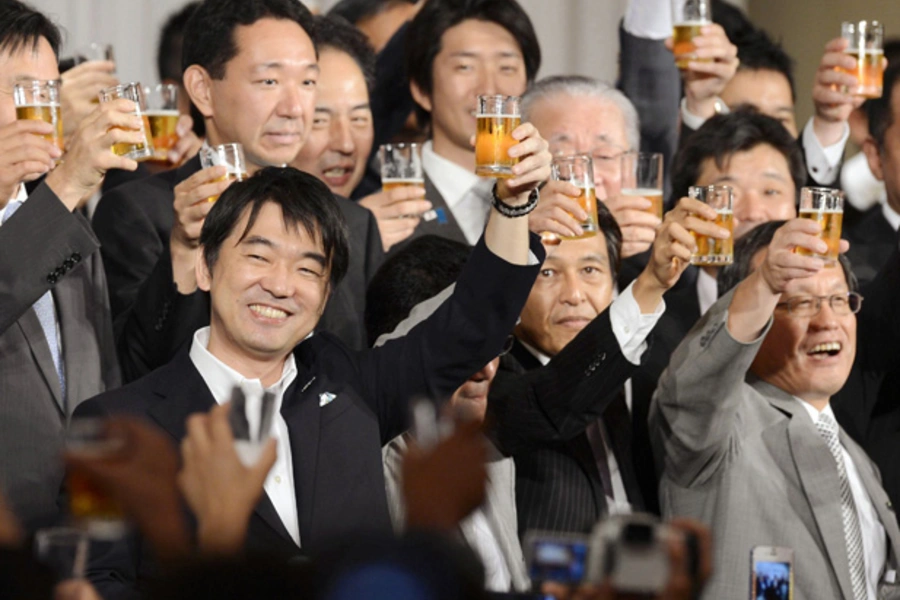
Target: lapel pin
{"x":326,"y":398}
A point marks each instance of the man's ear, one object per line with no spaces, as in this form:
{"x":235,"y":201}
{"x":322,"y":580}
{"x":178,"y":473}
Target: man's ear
{"x":873,"y":155}
{"x":421,"y":98}
{"x":197,"y":83}
{"x":202,"y":272}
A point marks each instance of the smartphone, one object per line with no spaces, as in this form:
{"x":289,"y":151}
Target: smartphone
{"x":557,"y":557}
{"x":771,"y":573}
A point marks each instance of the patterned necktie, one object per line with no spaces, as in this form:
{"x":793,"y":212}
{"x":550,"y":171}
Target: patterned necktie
{"x":46,"y":316}
{"x":829,"y":430}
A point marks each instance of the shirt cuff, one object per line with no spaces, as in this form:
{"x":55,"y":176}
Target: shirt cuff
{"x":630,"y":327}
{"x":822,"y":163}
{"x":651,"y":19}
{"x":690,"y":119}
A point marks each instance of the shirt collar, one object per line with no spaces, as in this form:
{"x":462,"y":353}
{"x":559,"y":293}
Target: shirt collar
{"x":542,"y":358}
{"x":891,"y":215}
{"x":707,"y":290}
{"x":451,"y":180}
{"x":814,"y":412}
{"x":22,"y":195}
{"x":221,"y":379}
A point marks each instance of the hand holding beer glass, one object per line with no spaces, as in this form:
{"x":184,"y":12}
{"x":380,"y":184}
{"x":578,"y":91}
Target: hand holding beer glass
{"x":135,"y":92}
{"x":825,"y":206}
{"x":162,"y":115}
{"x":712,"y":251}
{"x":497,"y":117}
{"x":38,"y":100}
{"x":865,"y":41}
{"x":230,"y":156}
{"x":642,"y":177}
{"x":92,"y":506}
{"x":578,"y":170}
{"x":688,"y":19}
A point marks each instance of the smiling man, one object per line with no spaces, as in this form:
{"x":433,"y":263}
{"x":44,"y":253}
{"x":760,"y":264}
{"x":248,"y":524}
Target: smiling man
{"x":251,"y":70}
{"x":743,"y":429}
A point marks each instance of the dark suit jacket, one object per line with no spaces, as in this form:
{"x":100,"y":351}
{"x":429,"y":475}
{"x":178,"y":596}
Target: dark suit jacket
{"x":336,"y":448}
{"x":872,"y":241}
{"x":45,"y":247}
{"x":133,"y":222}
{"x":540,"y":415}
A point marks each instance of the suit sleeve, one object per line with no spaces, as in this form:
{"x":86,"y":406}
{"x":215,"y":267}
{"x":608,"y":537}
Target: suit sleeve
{"x":159,"y":322}
{"x":695,"y":411}
{"x":459,"y":338}
{"x":556,"y":402}
{"x":131,"y":245}
{"x":39,"y":245}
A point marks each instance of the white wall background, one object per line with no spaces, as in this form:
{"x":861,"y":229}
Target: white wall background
{"x":577,"y":36}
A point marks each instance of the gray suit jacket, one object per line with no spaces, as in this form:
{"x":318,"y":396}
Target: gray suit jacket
{"x":499,"y":506}
{"x":744,"y":457}
{"x":44,"y":247}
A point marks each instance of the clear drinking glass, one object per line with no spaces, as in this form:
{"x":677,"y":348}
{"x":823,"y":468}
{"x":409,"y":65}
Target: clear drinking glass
{"x":135,"y":92}
{"x":90,"y":505}
{"x":688,"y":17}
{"x":38,"y":100}
{"x":865,"y":41}
{"x":712,"y":251}
{"x":579,"y":171}
{"x":642,"y":176}
{"x":497,"y":117}
{"x":230,"y":156}
{"x":162,"y":114}
{"x":826,"y":207}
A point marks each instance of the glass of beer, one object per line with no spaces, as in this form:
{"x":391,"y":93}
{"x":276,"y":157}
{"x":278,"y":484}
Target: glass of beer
{"x":579,"y":171}
{"x":642,"y":176}
{"x":826,"y":206}
{"x":92,"y":506}
{"x":865,"y":44}
{"x":688,"y":16}
{"x":497,"y":117}
{"x":230,"y":156}
{"x":162,"y":114}
{"x":38,"y":100}
{"x":135,"y":92}
{"x":401,"y":165}
{"x":713,"y":252}
{"x":64,"y":550}
{"x":94,"y":51}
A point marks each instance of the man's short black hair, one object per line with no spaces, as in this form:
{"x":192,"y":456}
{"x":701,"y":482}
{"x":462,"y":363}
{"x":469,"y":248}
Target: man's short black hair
{"x":613,"y":234}
{"x":355,"y":11}
{"x":22,"y":26}
{"x":732,"y":19}
{"x":209,"y":34}
{"x":171,"y":41}
{"x":878,"y":110}
{"x":423,"y":41}
{"x":413,"y":274}
{"x":305,"y":203}
{"x":722,"y":136}
{"x":338,"y":34}
{"x":758,"y":52}
{"x":750,"y":244}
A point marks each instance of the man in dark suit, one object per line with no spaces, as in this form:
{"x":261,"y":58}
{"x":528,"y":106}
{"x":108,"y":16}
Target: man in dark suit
{"x":56,"y":342}
{"x":272,"y":248}
{"x":457,"y":49}
{"x":873,"y":238}
{"x":250,"y":70}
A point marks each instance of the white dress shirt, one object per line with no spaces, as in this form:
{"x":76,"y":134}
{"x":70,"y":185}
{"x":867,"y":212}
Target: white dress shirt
{"x":467,"y":195}
{"x":631,"y":329}
{"x":873,"y":535}
{"x":707,"y":290}
{"x":890,"y":216}
{"x":863,"y":189}
{"x":650,"y":19}
{"x":221,"y":379}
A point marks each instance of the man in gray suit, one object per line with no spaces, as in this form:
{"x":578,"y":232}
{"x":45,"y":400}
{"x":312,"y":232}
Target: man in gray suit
{"x":56,"y":342}
{"x":741,"y":423}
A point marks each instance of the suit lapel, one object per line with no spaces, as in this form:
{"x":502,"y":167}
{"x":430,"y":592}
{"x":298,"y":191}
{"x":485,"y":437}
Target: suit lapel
{"x":30,"y":326}
{"x":183,"y":393}
{"x":451,"y":228}
{"x":818,"y":477}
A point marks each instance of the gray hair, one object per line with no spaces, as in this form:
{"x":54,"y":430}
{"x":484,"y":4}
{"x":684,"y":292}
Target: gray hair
{"x":578,"y":85}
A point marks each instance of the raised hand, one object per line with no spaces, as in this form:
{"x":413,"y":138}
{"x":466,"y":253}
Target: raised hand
{"x":398,"y":212}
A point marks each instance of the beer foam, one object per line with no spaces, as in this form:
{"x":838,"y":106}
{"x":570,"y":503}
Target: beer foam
{"x":692,"y":23}
{"x":162,"y":112}
{"x":817,"y":211}
{"x":484,"y":116}
{"x":39,"y":105}
{"x":641,"y":192}
{"x":402,"y":181}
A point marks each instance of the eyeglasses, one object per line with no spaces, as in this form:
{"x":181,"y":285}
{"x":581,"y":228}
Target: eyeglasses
{"x":606,"y":157}
{"x":809,"y":306}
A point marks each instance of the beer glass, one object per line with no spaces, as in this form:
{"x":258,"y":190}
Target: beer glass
{"x":401,"y":165}
{"x":64,"y":550}
{"x":579,"y":171}
{"x":826,"y":207}
{"x":134,"y":92}
{"x":91,"y":505}
{"x":230,"y":156}
{"x":497,"y":117}
{"x":864,"y":44}
{"x":94,"y":51}
{"x":688,"y":16}
{"x":712,"y":251}
{"x":250,"y":416}
{"x":38,"y":100}
{"x":642,"y":176}
{"x":162,"y":114}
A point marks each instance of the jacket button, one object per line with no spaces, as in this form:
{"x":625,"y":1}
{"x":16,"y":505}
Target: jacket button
{"x":52,"y":279}
{"x":76,"y":257}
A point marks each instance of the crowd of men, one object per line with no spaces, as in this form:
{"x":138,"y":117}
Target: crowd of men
{"x":748,"y":406}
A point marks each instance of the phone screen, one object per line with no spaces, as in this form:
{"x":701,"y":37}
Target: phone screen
{"x":557,"y":560}
{"x":772,"y":581}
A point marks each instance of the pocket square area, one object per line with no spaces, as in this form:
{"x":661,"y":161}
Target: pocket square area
{"x":326,"y":398}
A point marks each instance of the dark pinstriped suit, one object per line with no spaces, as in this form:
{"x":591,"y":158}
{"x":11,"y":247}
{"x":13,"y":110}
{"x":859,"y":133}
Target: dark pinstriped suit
{"x":541,"y":414}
